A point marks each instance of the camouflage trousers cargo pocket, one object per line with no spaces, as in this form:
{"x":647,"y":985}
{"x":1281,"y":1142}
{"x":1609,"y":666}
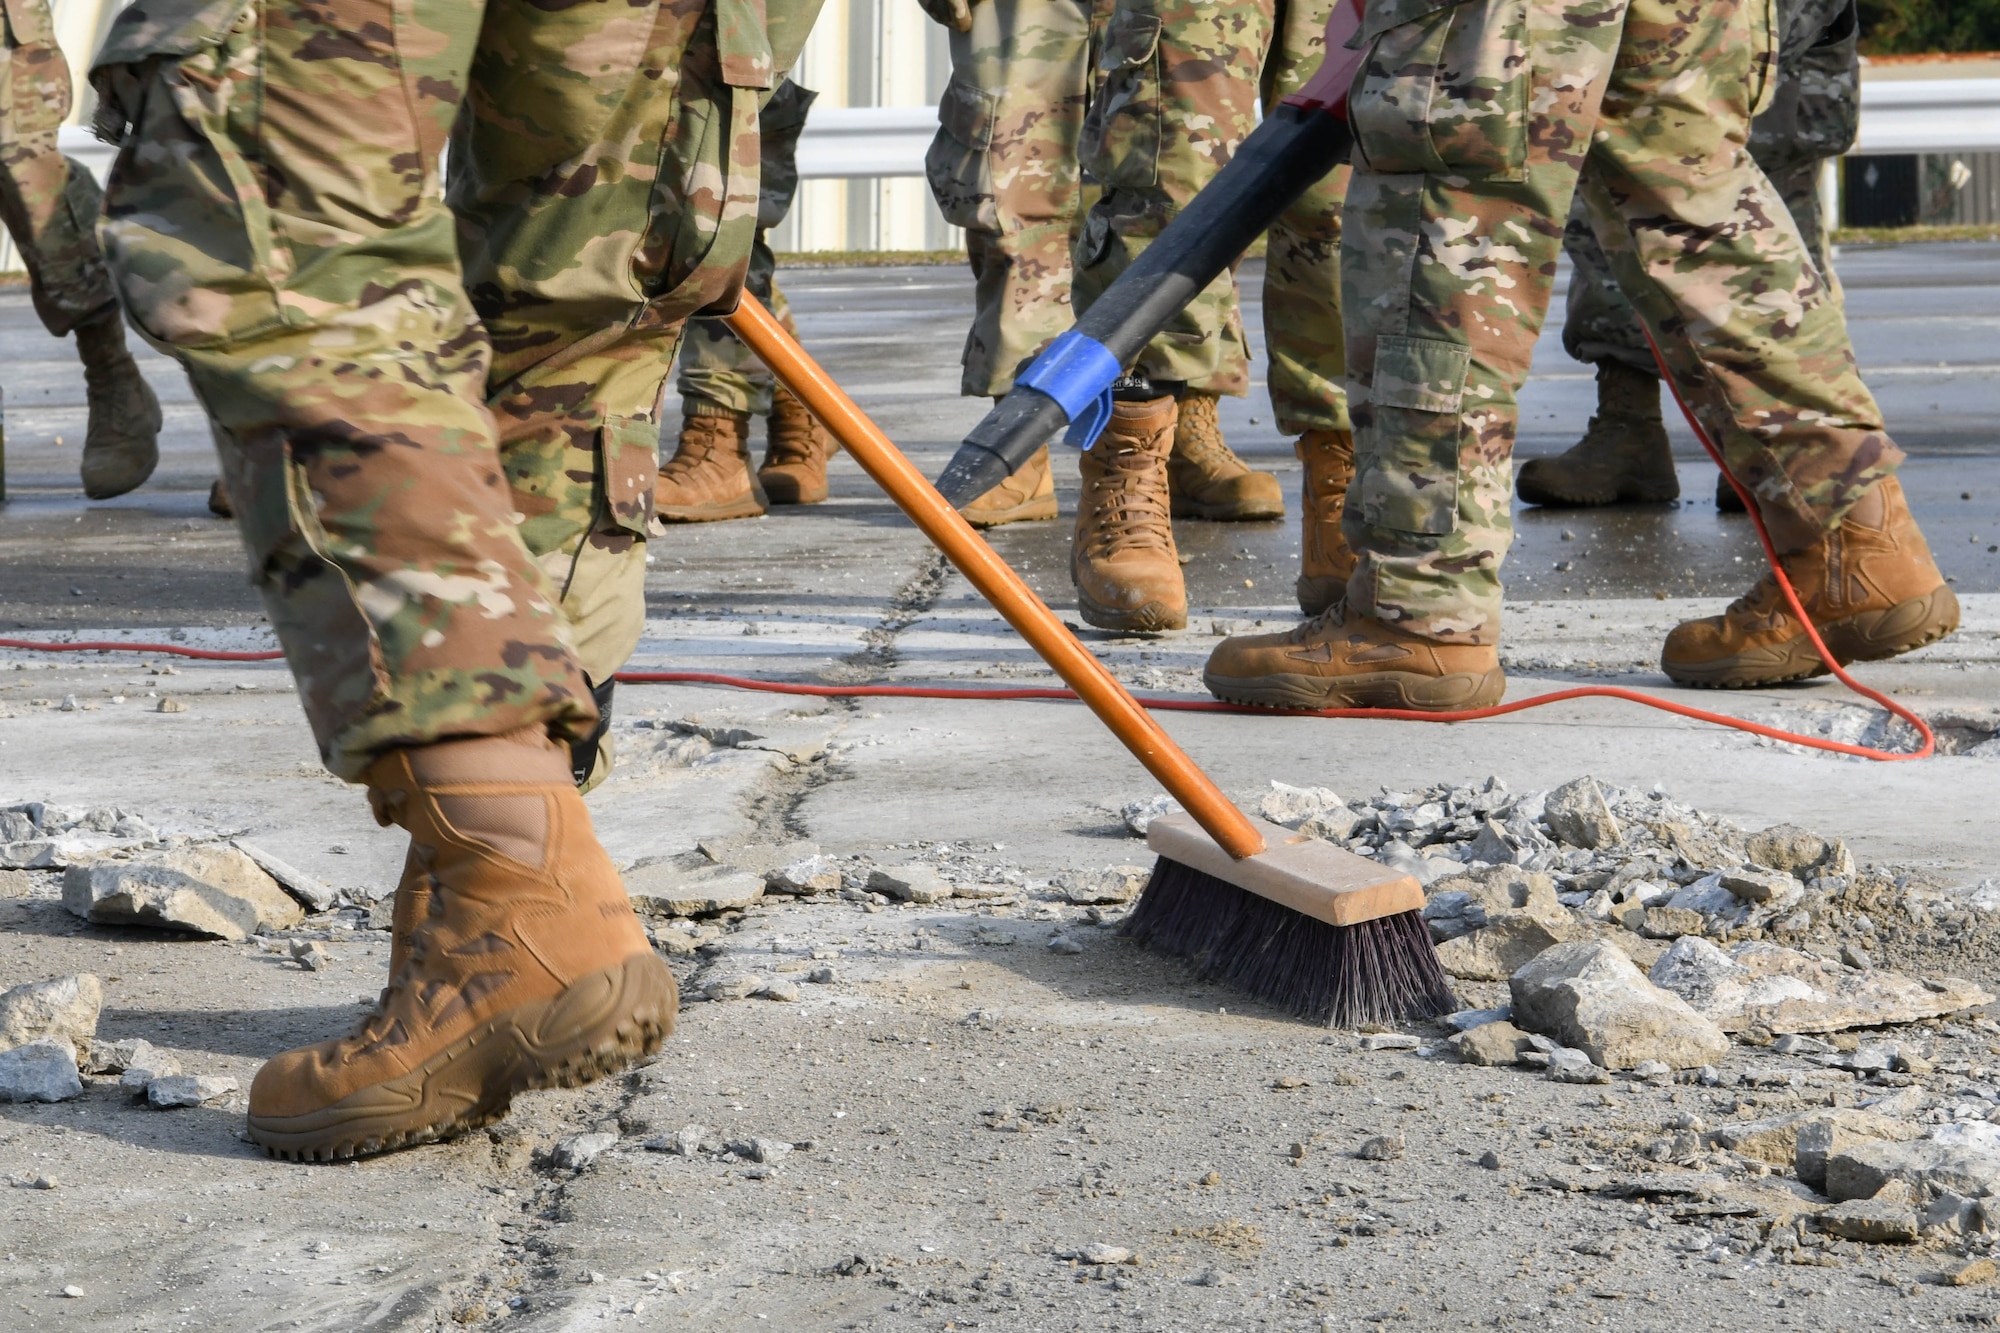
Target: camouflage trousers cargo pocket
{"x":1121,"y":136}
{"x":1418,"y":391}
{"x":1444,"y":88}
{"x":959,"y":162}
{"x":629,"y":457}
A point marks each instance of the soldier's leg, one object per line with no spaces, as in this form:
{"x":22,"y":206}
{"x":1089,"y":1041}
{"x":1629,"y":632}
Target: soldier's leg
{"x":311,"y":285}
{"x":587,"y":276}
{"x":1302,"y":329}
{"x":1177,"y":93}
{"x":1624,"y":454}
{"x":1004,"y":167}
{"x":1757,"y":343}
{"x":1451,"y":226}
{"x":50,"y":206}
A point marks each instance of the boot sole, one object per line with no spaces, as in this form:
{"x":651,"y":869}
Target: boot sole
{"x":780,"y":490}
{"x":748,"y":507}
{"x":1248,"y":511}
{"x":1870,"y":637}
{"x":1152,"y":618}
{"x":597,"y":1026}
{"x":1380,"y":689}
{"x":1627,"y":494}
{"x":1039,"y":508}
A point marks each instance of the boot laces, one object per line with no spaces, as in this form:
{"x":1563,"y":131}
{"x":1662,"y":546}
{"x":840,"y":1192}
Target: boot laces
{"x":794,"y":437}
{"x":701,"y":448}
{"x":1129,"y":505}
{"x":1203,"y":445}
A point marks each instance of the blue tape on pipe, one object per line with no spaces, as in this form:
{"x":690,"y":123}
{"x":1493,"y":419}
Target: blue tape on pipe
{"x":1077,"y":371}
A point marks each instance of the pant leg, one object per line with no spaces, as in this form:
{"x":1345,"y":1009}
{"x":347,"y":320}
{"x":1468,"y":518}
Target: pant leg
{"x":717,"y":372}
{"x":49,"y":203}
{"x":1179,"y":92}
{"x":1004,"y":167}
{"x":309,"y":282}
{"x":1754,"y":333}
{"x":588,"y":249}
{"x":1302,"y":328}
{"x":1451,"y":242}
{"x":1813,"y":116}
{"x":1599,"y":323}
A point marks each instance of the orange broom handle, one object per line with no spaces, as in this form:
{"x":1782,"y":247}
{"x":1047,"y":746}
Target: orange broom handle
{"x":995,"y":579}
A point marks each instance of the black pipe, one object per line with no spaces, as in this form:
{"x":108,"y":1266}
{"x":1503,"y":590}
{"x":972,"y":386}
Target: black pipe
{"x":1290,"y":151}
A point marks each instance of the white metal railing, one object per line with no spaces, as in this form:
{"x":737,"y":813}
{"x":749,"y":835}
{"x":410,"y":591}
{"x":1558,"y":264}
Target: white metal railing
{"x":866,"y":141}
{"x":1929,"y":116}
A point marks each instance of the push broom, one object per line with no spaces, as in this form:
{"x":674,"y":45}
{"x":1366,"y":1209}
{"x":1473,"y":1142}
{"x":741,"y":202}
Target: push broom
{"x":1294,"y":921}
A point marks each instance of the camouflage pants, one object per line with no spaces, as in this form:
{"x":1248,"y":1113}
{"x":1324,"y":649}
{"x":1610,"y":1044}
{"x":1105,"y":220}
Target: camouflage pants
{"x":1453,"y":219}
{"x":438,"y":420}
{"x":1814,"y":114}
{"x":718,"y":374}
{"x":1181,"y":83}
{"x":1004,"y":167}
{"x":48,"y":202}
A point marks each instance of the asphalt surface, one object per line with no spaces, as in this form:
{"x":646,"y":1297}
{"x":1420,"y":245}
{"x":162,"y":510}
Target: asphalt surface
{"x":1923,"y":316}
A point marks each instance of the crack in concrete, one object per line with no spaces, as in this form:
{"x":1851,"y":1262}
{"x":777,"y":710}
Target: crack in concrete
{"x":910,"y":603}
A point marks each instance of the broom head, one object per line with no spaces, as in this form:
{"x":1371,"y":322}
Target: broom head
{"x":1303,"y":925}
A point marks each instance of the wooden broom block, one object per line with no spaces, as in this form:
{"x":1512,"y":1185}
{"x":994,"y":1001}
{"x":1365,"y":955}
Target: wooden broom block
{"x":1303,"y":873}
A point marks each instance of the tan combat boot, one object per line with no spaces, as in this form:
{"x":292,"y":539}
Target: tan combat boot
{"x":1207,"y":479}
{"x":525,"y":966}
{"x":794,"y":471}
{"x":1324,"y":560}
{"x":1028,"y":494}
{"x":1870,"y":586}
{"x":1122,"y":561}
{"x":709,"y":476}
{"x":1342,"y":660}
{"x":1623,"y":455}
{"x":121,"y":445}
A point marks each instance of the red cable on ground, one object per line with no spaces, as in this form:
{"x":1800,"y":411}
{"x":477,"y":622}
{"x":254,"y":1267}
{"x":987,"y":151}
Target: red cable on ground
{"x":1211,"y":706}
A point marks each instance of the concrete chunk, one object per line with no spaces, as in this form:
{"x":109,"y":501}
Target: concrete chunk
{"x":63,"y":1007}
{"x":1763,"y":985}
{"x":40,"y":1071}
{"x":1876,"y":1221}
{"x":215,"y":891}
{"x":1578,"y":814}
{"x":1497,"y":1043}
{"x":913,"y":883}
{"x":1588,"y":994}
{"x":662,"y":889}
{"x":1862,"y":1169}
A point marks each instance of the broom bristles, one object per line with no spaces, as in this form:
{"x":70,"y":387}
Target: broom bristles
{"x":1378,"y":971}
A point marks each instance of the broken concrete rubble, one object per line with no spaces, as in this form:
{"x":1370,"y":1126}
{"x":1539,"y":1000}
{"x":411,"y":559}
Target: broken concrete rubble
{"x":1860,"y":1170}
{"x":202,"y":890}
{"x":1578,"y":814}
{"x":64,"y":1008}
{"x":1496,"y":1043}
{"x":663,"y":888}
{"x":1590,"y":995}
{"x":1111,"y":885}
{"x":803,"y":878}
{"x":912,"y":883}
{"x":170,"y":1091}
{"x":311,"y":891}
{"x":1758,"y":984}
{"x":43,"y":1070}
{"x":1802,"y":1141}
{"x":1291,"y":806}
{"x":1875,"y":1221}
